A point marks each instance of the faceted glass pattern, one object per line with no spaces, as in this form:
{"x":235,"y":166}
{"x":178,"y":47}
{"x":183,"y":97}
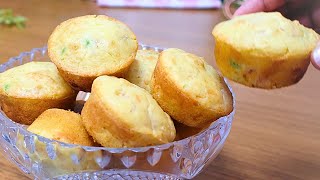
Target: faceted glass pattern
{"x":41,"y":158}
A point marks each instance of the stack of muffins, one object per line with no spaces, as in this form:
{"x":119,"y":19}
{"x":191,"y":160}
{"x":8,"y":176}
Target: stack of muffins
{"x":143,"y":97}
{"x":136,"y":95}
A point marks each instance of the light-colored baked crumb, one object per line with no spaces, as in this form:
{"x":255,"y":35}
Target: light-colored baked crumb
{"x":28,"y":90}
{"x":34,"y":80}
{"x":141,"y":70}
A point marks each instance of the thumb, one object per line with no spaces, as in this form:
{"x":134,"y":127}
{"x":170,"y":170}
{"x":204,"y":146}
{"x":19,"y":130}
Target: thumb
{"x":315,"y":57}
{"x":252,"y":6}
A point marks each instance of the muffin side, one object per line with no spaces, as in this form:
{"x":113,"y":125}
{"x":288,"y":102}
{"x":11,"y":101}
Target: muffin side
{"x":193,"y":94}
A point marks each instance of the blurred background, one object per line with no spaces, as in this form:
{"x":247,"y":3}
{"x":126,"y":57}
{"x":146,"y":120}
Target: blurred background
{"x":154,"y":22}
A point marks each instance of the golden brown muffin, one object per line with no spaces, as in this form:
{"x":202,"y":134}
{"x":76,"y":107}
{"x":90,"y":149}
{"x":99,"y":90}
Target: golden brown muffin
{"x":28,"y":90}
{"x":61,"y":125}
{"x":86,"y":47}
{"x":121,"y":114}
{"x":66,"y":160}
{"x":56,"y":159}
{"x":140,"y":71}
{"x":67,"y":127}
{"x":263,"y":50}
{"x":189,"y":89}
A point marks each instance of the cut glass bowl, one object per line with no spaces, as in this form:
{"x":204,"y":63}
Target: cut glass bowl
{"x":41,"y":158}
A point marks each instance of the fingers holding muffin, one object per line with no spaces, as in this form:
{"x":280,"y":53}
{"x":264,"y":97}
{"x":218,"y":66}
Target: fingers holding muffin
{"x":263,"y":53}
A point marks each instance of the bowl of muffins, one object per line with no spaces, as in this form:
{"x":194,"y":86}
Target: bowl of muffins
{"x":96,"y":104}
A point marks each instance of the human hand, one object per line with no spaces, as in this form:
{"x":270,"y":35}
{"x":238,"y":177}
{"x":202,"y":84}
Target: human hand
{"x":307,"y":12}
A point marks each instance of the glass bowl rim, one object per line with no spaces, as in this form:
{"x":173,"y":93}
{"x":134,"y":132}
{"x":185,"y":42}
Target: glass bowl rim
{"x":22,"y":128}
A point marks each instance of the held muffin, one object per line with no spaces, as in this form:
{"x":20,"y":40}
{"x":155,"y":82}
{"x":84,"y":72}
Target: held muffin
{"x":61,"y":125}
{"x":121,"y":114}
{"x":189,"y":89}
{"x":86,"y":47}
{"x":28,"y":90}
{"x":263,"y":50}
{"x":140,"y":71}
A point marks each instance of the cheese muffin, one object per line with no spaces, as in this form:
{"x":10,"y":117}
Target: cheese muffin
{"x":140,"y":71}
{"x":64,"y":126}
{"x":86,"y":47}
{"x":28,"y":90}
{"x":57,"y":160}
{"x":263,"y":50}
{"x":121,"y":114}
{"x":189,"y":89}
{"x":61,"y":125}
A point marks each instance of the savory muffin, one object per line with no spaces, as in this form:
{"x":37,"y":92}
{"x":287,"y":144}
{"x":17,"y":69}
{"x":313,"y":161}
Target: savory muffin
{"x":140,"y":71}
{"x":263,"y":50}
{"x":55,"y":159}
{"x":28,"y":90}
{"x":86,"y":47}
{"x":65,"y":126}
{"x":189,"y":89}
{"x":61,"y":125}
{"x":121,"y":114}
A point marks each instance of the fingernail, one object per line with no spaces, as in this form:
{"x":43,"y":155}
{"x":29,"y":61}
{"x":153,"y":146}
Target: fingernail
{"x":315,"y":58}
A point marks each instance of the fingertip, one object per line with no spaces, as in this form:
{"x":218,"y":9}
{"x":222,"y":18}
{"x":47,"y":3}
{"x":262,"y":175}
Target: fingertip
{"x":249,"y":6}
{"x":317,"y":66}
{"x":253,"y":6}
{"x":245,"y":8}
{"x":238,"y":12}
{"x":315,"y":57}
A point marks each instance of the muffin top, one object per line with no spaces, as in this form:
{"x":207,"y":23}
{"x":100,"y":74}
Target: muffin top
{"x":195,"y":79}
{"x":92,"y":45}
{"x":266,"y":34}
{"x":140,"y":71}
{"x":61,"y":125}
{"x":34,"y":80}
{"x":134,"y":108}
